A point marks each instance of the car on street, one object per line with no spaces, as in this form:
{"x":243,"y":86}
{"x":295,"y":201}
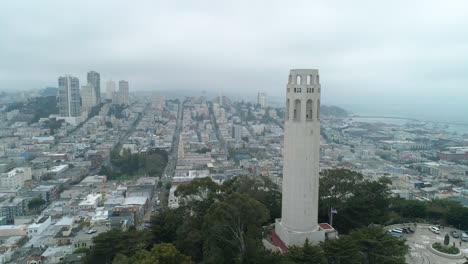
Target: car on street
{"x":464,"y":237}
{"x":434,"y":229}
{"x":454,"y":234}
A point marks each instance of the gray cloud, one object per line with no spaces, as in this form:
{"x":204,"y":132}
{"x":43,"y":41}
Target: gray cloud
{"x":397,"y":50}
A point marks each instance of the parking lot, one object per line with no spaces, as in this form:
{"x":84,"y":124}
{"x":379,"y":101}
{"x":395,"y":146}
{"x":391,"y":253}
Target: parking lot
{"x":423,"y":237}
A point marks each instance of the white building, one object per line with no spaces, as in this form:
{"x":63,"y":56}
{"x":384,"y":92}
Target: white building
{"x":189,"y":175}
{"x":111,"y":88}
{"x":123,"y":92}
{"x":90,"y":202}
{"x":69,"y":96}
{"x":88,"y":97}
{"x":237,"y":132}
{"x":39,"y":226}
{"x":299,"y":214}
{"x":262,"y":100}
{"x":16,"y":177}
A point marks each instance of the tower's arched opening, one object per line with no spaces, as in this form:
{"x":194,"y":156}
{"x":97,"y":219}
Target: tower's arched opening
{"x":287,"y":109}
{"x":309,"y":111}
{"x":298,"y":79}
{"x":318,"y":109}
{"x":297,"y":110}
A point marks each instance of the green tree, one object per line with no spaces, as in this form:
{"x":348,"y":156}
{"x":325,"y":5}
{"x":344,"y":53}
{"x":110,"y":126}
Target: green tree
{"x":36,"y":203}
{"x":409,"y":208}
{"x":446,"y":240}
{"x":368,"y":205}
{"x":164,"y":225}
{"x":306,"y":254}
{"x":336,"y":186}
{"x":81,"y":250}
{"x":261,"y":189}
{"x":107,"y":245}
{"x":342,"y":251}
{"x":196,"y":198}
{"x":379,"y":247}
{"x":159,"y":254}
{"x":232,"y":229}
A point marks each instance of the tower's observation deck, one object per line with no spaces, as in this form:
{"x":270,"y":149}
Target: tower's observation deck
{"x":301,"y":160}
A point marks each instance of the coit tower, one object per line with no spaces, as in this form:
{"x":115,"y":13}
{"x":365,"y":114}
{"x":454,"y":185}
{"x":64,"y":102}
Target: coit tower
{"x":301,"y":160}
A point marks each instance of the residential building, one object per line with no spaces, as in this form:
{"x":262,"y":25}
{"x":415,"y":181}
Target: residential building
{"x":94,"y":79}
{"x":69,"y":99}
{"x":123,"y":92}
{"x":88,"y":97}
{"x":16,"y":177}
{"x":237,"y":132}
{"x":262,"y":100}
{"x":110,"y":89}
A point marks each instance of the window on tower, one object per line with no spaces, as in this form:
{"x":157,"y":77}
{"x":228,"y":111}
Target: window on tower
{"x":309,"y":79}
{"x":298,"y":79}
{"x":287,"y":109}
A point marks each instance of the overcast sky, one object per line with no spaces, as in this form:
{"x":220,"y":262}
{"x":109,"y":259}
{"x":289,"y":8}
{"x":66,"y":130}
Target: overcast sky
{"x":365,"y":50}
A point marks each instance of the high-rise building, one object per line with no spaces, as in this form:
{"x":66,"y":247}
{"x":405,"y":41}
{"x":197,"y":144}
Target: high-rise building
{"x":94,"y":79}
{"x":237,"y":132}
{"x":301,"y":162}
{"x":88,"y":97}
{"x":261,"y":100}
{"x":110,"y":89}
{"x":69,"y":96}
{"x":123,"y":92}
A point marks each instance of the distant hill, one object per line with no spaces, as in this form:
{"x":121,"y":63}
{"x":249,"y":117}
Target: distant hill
{"x":334,"y":111}
{"x":48,"y":91}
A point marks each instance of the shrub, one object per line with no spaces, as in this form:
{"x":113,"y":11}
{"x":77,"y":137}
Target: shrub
{"x":445,"y":249}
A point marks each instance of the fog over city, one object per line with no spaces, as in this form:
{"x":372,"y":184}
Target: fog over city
{"x":404,"y":56}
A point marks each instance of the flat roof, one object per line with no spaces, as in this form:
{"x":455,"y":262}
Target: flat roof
{"x":140,"y":200}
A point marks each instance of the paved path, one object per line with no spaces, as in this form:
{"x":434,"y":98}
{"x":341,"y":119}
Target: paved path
{"x":423,"y":237}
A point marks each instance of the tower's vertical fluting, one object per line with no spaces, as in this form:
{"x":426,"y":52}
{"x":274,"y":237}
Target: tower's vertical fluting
{"x":301,"y":159}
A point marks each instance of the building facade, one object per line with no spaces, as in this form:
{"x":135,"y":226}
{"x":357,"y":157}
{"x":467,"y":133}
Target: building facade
{"x":237,"y":132}
{"x":69,"y":96}
{"x":262,"y":100}
{"x":123,"y":92}
{"x":16,"y":177}
{"x":111,"y":88}
{"x":88,"y":97}
{"x":94,"y":79}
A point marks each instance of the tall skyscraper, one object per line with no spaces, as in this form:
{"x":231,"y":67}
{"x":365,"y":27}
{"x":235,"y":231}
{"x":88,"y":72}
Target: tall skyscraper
{"x":301,"y":162}
{"x":88,"y":97}
{"x":110,"y":89}
{"x":261,"y":100}
{"x":123,"y":92}
{"x":69,"y":96}
{"x":237,"y":132}
{"x":94,"y":79}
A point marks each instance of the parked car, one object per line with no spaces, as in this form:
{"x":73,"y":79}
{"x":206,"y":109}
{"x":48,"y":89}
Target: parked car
{"x":408,"y":230}
{"x":434,"y":229}
{"x":454,"y":234}
{"x":396,"y":233}
{"x":464,"y":237}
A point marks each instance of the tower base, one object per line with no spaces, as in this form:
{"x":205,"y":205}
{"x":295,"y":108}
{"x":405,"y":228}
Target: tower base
{"x":296,"y":238}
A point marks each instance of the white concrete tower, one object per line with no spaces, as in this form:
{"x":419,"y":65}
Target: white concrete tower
{"x":301,"y":160}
